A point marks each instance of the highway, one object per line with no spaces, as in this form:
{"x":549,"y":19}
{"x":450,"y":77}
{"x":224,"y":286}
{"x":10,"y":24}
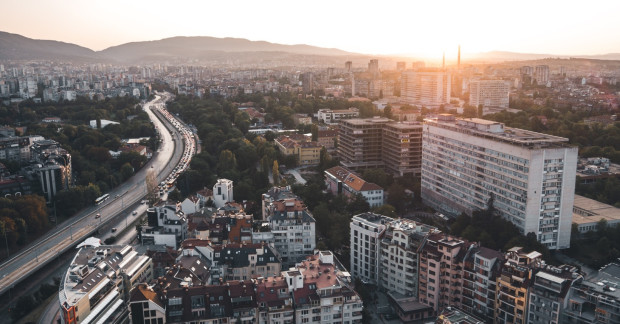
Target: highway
{"x":81,"y":226}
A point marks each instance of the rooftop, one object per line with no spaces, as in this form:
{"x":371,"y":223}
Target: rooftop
{"x":495,"y":131}
{"x":586,"y":210}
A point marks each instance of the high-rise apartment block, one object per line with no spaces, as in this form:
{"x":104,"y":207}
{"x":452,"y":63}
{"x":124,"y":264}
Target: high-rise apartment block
{"x":400,"y":246}
{"x":291,"y":223}
{"x":489,"y":93}
{"x":373,"y":68}
{"x":480,"y":270}
{"x":426,"y":87}
{"x":528,"y":176}
{"x":380,"y":143}
{"x":366,"y":231}
{"x":541,"y":74}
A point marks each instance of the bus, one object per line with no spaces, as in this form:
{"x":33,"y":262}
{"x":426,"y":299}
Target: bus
{"x":101,"y":199}
{"x":170,"y":184}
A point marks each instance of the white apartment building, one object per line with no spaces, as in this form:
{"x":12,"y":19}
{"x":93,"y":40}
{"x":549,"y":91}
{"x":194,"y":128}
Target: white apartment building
{"x":541,"y":74}
{"x":531,"y":176}
{"x":293,"y":228}
{"x":222,"y":192}
{"x":366,"y":231}
{"x":425,"y":87}
{"x":97,"y":284}
{"x":489,"y":93}
{"x":329,"y":116}
{"x":398,"y":270}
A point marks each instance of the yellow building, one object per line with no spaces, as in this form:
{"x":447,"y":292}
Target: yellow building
{"x":512,"y":284}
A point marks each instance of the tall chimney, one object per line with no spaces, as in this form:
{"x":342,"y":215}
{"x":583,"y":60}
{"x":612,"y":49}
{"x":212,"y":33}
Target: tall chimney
{"x":443,"y":63}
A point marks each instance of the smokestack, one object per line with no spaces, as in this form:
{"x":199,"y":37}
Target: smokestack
{"x":458,"y":62}
{"x":443,"y":63}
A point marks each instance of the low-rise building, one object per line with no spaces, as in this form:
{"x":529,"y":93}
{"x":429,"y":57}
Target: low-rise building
{"x":167,"y":225}
{"x":340,"y":180}
{"x":587,"y":213}
{"x":329,"y":116}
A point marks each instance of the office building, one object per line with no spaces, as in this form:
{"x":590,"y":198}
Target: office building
{"x":366,"y":231}
{"x":360,"y":143}
{"x":425,"y":87}
{"x":489,"y":93}
{"x":401,"y":148}
{"x":329,"y":116}
{"x":380,"y":143}
{"x":97,"y":285}
{"x":529,"y":176}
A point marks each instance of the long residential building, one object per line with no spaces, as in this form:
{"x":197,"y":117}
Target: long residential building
{"x":489,"y":93}
{"x":342,"y":181}
{"x":97,"y":285}
{"x":529,"y":177}
{"x":317,"y":290}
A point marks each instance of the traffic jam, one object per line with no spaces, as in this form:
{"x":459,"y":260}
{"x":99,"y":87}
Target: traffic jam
{"x":189,"y":150}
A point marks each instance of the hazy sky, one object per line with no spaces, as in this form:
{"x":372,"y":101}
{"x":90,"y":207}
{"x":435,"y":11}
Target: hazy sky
{"x":372,"y":27}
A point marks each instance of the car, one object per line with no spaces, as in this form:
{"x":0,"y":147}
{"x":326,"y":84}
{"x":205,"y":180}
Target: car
{"x":113,"y":229}
{"x":143,"y":202}
{"x":134,"y":213}
{"x":98,"y":216}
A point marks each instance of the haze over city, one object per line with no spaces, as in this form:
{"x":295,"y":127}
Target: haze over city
{"x":424,"y":29}
{"x":280,"y":162}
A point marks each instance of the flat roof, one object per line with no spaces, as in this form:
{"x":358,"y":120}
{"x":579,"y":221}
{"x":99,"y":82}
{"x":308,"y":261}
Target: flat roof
{"x":514,"y":136}
{"x":586,"y":211}
{"x":550,"y":277}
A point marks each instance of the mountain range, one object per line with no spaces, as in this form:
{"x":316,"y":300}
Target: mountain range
{"x":204,"y":48}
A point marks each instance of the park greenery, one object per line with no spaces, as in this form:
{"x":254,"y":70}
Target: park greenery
{"x":22,"y":217}
{"x":94,"y":170}
{"x":596,"y":248}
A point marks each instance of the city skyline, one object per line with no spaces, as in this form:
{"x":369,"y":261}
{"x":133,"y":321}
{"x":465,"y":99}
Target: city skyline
{"x":386,"y":29}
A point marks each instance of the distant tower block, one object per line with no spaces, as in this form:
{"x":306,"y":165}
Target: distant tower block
{"x":348,"y":65}
{"x":401,"y":66}
{"x":458,"y":61}
{"x":443,"y":61}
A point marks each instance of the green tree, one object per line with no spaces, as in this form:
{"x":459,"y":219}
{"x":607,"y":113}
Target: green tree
{"x":126,"y":171}
{"x":275,"y":171}
{"x":175,"y":195}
